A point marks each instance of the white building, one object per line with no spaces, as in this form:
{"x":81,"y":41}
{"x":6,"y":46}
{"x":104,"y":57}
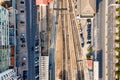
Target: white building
{"x":8,"y":75}
{"x":96,"y":70}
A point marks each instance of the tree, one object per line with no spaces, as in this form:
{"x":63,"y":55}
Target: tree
{"x":117,"y":26}
{"x":117,"y":9}
{"x":117,"y":49}
{"x":118,"y":57}
{"x":117,"y":73}
{"x":118,"y":18}
{"x":117,"y":41}
{"x":89,"y":49}
{"x":88,"y":57}
{"x":117,"y":65}
{"x":117,"y":2}
{"x":117,"y":34}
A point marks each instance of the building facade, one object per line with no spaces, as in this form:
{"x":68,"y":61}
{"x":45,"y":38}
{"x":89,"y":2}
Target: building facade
{"x":8,"y":75}
{"x":4,"y":39}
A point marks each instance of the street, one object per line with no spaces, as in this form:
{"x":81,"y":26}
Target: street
{"x":31,"y":29}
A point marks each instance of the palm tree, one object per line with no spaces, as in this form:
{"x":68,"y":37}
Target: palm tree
{"x":117,"y":49}
{"x":117,"y":25}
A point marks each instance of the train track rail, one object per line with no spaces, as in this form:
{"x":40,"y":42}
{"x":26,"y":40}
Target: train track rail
{"x":80,"y":69}
{"x":66,"y":67}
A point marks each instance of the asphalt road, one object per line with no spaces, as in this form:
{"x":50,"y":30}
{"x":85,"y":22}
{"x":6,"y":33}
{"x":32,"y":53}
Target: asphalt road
{"x":110,"y":41}
{"x":101,"y":37}
{"x":101,"y":40}
{"x":31,"y":29}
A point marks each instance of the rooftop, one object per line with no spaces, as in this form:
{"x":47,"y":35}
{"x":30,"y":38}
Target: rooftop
{"x":88,"y":7}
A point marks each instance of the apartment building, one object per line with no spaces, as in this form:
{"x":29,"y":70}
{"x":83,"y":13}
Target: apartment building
{"x":4,"y":39}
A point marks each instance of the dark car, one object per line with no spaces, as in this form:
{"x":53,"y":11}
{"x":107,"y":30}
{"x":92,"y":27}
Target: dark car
{"x":22,"y":11}
{"x":22,"y":37}
{"x":88,"y":42}
{"x":82,"y":44}
{"x":24,"y":75}
{"x":89,"y":25}
{"x":88,"y":20}
{"x":89,"y":37}
{"x":21,"y":2}
{"x":89,"y":30}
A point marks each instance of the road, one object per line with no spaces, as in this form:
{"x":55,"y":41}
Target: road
{"x":100,"y":22}
{"x":111,"y":23}
{"x":31,"y":29}
{"x":101,"y":53}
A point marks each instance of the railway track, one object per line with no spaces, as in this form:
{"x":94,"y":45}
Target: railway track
{"x":80,"y":69}
{"x":66,"y":67}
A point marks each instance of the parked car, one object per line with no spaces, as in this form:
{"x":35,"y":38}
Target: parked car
{"x":22,"y":11}
{"x":88,"y":42}
{"x":82,"y":42}
{"x":89,"y":30}
{"x":22,"y":37}
{"x":25,"y":75}
{"x":21,"y":2}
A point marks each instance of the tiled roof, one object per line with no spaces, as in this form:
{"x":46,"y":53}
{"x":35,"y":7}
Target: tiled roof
{"x":42,"y":2}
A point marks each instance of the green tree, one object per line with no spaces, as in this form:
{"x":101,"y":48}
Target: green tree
{"x":89,"y":49}
{"x":117,"y":2}
{"x":117,"y":65}
{"x":117,"y":25}
{"x":118,"y":18}
{"x":118,"y":57}
{"x":117,"y":73}
{"x":117,"y":34}
{"x":117,"y":41}
{"x":117,"y":49}
{"x":118,"y":9}
{"x":88,"y":57}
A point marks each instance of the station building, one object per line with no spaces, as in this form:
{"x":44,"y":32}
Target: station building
{"x":87,"y":8}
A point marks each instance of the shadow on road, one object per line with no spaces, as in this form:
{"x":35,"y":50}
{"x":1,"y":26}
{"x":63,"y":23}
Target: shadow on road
{"x":97,"y":4}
